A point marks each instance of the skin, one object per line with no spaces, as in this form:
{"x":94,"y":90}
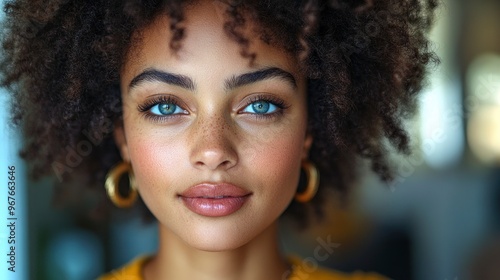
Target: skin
{"x":214,"y":137}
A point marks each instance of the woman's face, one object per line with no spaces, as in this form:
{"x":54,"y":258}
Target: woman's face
{"x":215,"y":143}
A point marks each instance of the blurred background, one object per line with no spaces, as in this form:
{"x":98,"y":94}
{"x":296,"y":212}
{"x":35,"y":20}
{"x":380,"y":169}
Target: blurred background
{"x":440,"y":219}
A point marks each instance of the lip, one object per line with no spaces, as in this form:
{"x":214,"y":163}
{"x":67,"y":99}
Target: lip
{"x":214,"y":200}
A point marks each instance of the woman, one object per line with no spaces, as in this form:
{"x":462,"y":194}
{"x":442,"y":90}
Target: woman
{"x":213,"y":108}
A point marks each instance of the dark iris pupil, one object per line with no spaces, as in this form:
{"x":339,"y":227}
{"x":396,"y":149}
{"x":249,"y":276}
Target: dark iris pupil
{"x":260,"y":107}
{"x":166,"y":108}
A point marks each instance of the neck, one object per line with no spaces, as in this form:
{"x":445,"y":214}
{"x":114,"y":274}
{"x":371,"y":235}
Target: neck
{"x":258,"y":259}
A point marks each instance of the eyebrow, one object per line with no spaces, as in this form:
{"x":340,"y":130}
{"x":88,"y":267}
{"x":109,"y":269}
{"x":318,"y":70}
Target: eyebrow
{"x":152,"y":75}
{"x":155,"y":75}
{"x":260,"y":75}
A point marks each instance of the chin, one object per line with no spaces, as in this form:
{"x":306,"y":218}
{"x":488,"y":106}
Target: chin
{"x":216,"y":247}
{"x":215,"y":239}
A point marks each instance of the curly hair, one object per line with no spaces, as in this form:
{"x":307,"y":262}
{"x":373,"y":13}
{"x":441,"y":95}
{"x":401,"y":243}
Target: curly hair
{"x":365,"y":62}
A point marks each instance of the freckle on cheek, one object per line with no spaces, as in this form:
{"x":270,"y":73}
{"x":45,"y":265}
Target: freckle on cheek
{"x":281,"y":157}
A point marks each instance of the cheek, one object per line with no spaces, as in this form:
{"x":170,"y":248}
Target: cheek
{"x":276,"y":162}
{"x":155,"y":160}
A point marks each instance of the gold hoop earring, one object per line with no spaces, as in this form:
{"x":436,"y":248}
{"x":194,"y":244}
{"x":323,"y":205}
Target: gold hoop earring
{"x":112,"y":182}
{"x":312,"y":175}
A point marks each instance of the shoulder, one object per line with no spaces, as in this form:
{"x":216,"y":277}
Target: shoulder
{"x":130,"y":271}
{"x":302,"y":269}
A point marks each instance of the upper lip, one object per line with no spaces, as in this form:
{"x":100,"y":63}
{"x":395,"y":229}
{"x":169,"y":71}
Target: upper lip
{"x":214,"y":190}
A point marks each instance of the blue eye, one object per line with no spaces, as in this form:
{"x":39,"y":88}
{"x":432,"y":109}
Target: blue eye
{"x":260,"y":107}
{"x":165,"y":109}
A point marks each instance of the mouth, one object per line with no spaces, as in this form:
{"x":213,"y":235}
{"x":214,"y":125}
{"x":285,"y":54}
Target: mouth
{"x":214,"y":200}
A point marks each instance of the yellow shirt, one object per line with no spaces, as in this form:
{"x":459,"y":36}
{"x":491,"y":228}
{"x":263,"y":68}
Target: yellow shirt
{"x":300,"y":271}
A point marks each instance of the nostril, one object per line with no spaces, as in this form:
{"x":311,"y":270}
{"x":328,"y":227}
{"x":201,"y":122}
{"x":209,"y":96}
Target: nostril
{"x":214,"y":165}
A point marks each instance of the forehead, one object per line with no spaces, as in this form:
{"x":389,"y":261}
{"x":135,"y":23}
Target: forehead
{"x":205,"y":37}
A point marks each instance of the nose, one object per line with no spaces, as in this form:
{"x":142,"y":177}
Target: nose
{"x":213,"y":144}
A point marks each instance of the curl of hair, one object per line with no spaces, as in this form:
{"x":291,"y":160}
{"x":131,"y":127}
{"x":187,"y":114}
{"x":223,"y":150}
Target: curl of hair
{"x":365,"y":62}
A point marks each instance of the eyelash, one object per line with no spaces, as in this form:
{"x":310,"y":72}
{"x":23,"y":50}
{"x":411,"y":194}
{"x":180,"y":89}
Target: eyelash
{"x":279,"y":103}
{"x":150,"y":103}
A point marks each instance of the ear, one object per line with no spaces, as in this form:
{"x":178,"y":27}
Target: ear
{"x":307,"y":146}
{"x":121,"y":141}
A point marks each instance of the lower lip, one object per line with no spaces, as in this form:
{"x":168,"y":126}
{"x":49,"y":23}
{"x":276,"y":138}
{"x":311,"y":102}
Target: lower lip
{"x":214,"y":207}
